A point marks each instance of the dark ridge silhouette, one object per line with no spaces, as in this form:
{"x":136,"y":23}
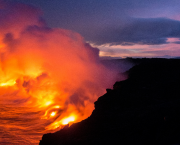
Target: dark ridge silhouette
{"x":142,"y":110}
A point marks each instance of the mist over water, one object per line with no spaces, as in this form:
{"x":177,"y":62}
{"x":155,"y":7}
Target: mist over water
{"x":48,"y":77}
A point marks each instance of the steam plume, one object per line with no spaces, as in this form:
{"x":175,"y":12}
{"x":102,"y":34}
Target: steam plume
{"x":53,"y":70}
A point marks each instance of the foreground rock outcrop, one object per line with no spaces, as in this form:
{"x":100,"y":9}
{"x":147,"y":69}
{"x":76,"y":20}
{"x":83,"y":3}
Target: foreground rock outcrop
{"x":144,"y":109}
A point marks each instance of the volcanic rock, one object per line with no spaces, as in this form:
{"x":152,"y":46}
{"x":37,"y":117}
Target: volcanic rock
{"x":144,"y":109}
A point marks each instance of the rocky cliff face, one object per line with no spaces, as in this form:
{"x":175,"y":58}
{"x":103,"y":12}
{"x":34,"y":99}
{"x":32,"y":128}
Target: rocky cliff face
{"x":144,"y":109}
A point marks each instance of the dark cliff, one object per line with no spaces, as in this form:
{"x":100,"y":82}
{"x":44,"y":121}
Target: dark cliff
{"x":144,"y":109}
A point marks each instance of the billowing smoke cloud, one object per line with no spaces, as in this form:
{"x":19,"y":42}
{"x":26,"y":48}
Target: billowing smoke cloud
{"x":53,"y":70}
{"x":16,"y":17}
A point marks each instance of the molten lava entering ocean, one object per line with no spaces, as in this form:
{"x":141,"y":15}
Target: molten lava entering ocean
{"x":48,"y":77}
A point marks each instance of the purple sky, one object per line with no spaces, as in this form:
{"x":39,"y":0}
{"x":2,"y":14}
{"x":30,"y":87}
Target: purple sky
{"x":119,"y":28}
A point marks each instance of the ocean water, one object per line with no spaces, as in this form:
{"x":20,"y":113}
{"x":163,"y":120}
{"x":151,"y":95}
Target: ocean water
{"x":20,"y":125}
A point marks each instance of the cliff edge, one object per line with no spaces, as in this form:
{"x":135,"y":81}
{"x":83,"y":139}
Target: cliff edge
{"x":144,"y":109}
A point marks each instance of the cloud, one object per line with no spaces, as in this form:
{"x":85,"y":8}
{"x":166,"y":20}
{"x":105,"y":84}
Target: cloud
{"x":138,"y":50}
{"x":116,"y":22}
{"x":15,"y":17}
{"x":139,"y":31}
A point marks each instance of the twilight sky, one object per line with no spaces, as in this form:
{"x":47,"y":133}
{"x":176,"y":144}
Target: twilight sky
{"x":119,"y":28}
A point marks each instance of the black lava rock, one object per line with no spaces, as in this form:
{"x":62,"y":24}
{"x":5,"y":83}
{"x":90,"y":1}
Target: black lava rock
{"x":142,"y":110}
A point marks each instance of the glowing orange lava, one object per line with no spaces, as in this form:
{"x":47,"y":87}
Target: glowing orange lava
{"x":67,"y":120}
{"x":64,"y":121}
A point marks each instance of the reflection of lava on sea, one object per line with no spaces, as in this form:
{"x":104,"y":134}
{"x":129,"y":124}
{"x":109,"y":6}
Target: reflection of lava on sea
{"x":48,"y":77}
